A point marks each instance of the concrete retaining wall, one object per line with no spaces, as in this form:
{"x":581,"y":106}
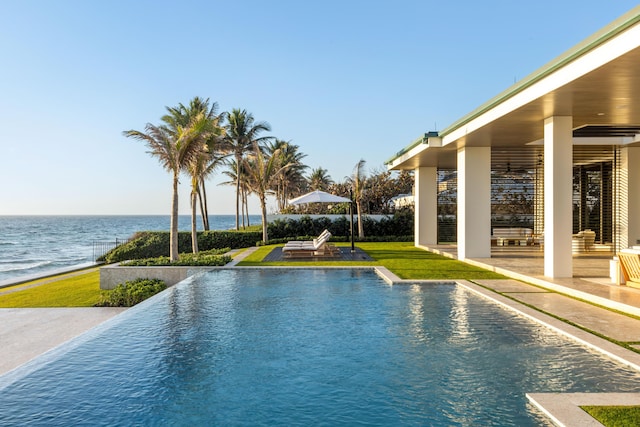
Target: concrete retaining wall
{"x":113,"y":275}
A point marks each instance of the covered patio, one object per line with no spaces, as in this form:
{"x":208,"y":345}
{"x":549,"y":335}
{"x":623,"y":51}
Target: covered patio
{"x":573,"y":127}
{"x":590,"y":280}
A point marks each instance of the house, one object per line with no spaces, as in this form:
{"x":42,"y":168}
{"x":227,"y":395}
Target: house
{"x":574,"y":124}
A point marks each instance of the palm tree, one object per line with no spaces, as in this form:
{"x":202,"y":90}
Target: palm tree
{"x":292,"y":177}
{"x":202,"y":165}
{"x":358,"y":181}
{"x":232,"y":173}
{"x":263,"y":172}
{"x":319,"y":179}
{"x":174,"y":148}
{"x":241,"y":134}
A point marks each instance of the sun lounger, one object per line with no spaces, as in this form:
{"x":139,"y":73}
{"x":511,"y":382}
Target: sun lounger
{"x":318,"y":248}
{"x":630,"y":262}
{"x":308,"y":242}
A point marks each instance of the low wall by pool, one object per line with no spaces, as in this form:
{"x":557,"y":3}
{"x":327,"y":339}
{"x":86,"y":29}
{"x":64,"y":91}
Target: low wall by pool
{"x":112,"y":275}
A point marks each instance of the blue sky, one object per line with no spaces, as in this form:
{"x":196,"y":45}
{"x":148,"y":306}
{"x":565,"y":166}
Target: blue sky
{"x":344,"y":80}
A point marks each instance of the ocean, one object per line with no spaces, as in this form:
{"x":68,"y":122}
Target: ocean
{"x":32,"y":245}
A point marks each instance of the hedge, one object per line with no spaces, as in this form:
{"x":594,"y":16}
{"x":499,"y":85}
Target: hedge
{"x":154,"y":244}
{"x":131,"y":293}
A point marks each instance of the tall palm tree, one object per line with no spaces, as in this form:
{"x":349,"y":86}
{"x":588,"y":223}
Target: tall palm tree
{"x":292,"y":177}
{"x":263,"y":172}
{"x":174,"y":148}
{"x":358,"y":181}
{"x":198,"y":111}
{"x":242,"y":132}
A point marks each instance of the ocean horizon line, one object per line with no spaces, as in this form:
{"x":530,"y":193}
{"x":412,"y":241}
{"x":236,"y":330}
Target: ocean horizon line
{"x":112,"y":215}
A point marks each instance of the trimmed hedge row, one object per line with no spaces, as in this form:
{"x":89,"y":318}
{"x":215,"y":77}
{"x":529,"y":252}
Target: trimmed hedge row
{"x":213,"y":257}
{"x":131,"y":293}
{"x":154,"y":244}
{"x":398,"y":227}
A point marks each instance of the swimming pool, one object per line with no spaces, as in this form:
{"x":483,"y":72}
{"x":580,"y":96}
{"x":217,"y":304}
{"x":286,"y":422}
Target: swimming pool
{"x":307,"y":347}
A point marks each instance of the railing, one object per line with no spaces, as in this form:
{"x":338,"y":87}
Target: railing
{"x":101,"y":247}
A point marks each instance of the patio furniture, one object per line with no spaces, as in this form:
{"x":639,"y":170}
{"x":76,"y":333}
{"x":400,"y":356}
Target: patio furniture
{"x":507,"y":235}
{"x":308,"y":242}
{"x":583,"y":241}
{"x":630,"y":263}
{"x":318,"y":248}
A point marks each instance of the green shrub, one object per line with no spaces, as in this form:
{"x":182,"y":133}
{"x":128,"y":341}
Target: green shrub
{"x":398,"y":227}
{"x":131,"y":293}
{"x":153,"y":244}
{"x":205,"y":258}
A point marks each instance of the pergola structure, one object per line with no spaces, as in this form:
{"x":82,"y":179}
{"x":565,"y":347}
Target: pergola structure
{"x":582,"y":108}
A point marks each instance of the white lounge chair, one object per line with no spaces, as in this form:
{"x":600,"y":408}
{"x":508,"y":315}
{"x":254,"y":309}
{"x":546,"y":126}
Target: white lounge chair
{"x":308,"y":242}
{"x":319,"y":247}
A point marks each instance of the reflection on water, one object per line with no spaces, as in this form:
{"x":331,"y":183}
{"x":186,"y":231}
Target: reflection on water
{"x":293,"y":347}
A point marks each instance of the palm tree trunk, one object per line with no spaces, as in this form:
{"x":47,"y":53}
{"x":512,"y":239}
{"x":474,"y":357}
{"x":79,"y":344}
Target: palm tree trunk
{"x":205,"y":203}
{"x":263,"y":208}
{"x":360,"y":225}
{"x":202,"y":197}
{"x":194,"y":230}
{"x":173,"y":232}
{"x":238,"y":167}
{"x":246,"y":209}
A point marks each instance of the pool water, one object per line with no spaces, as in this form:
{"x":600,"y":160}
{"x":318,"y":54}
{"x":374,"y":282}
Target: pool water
{"x":307,"y":347}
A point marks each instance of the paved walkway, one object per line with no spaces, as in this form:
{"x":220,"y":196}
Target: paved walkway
{"x":26,"y":333}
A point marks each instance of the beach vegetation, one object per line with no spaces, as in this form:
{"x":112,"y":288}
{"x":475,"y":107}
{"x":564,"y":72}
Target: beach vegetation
{"x":241,"y":133}
{"x":206,"y":160}
{"x":131,"y":293}
{"x":319,"y":179}
{"x":176,"y":145}
{"x":291,"y":180}
{"x":263,"y":173}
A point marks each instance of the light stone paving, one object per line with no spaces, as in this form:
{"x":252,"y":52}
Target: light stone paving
{"x":26,"y":333}
{"x":509,"y":285}
{"x":613,"y":325}
{"x":565,"y":408}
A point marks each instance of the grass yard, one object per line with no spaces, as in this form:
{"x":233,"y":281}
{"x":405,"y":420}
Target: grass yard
{"x":402,"y":258}
{"x":65,"y":290}
{"x":615,"y":416}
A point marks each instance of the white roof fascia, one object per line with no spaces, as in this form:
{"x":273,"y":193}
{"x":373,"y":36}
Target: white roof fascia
{"x":606,"y":52}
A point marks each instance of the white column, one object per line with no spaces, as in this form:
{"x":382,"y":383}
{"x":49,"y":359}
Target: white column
{"x":474,"y":202}
{"x":558,"y":193}
{"x":426,"y":206}
{"x":626,"y":200}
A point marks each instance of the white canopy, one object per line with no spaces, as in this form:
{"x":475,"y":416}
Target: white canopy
{"x":318,"y":197}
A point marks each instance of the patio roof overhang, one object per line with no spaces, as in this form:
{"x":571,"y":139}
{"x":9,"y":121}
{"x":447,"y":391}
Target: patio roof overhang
{"x":597,"y":83}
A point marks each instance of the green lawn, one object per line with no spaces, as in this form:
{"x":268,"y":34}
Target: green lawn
{"x":615,"y":416}
{"x":80,"y":290}
{"x":402,"y":258}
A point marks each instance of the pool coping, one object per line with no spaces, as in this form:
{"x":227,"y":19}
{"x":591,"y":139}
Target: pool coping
{"x":563,"y":409}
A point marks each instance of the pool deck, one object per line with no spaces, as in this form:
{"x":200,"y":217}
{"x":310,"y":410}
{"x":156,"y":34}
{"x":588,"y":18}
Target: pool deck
{"x":27,"y":333}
